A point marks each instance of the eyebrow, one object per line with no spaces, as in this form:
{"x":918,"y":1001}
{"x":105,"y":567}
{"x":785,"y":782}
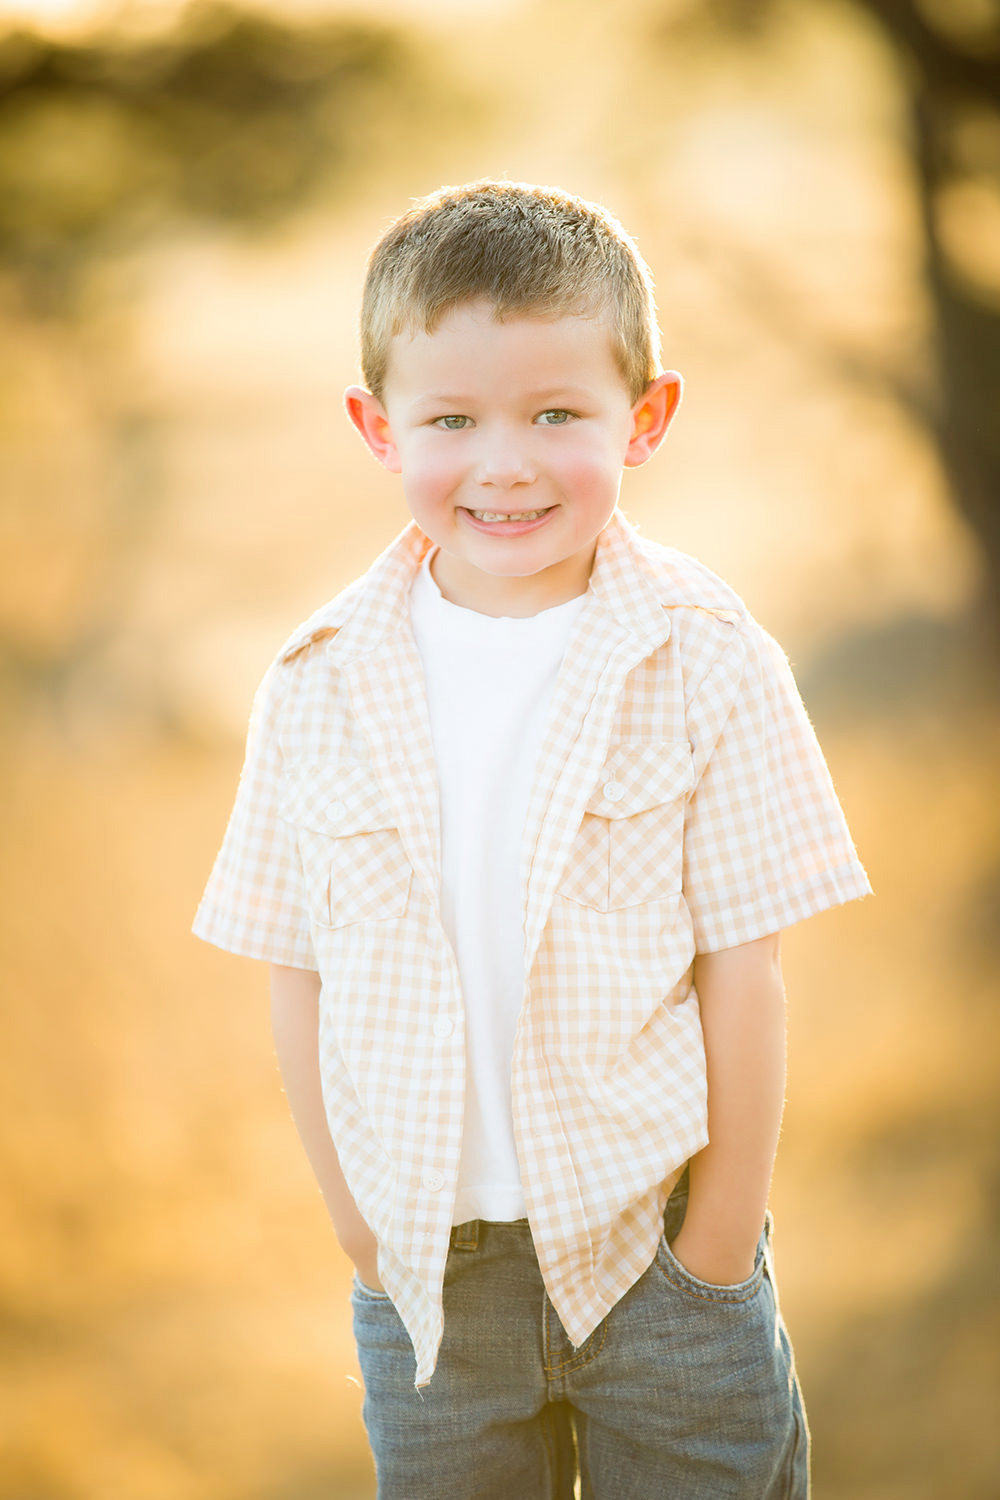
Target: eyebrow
{"x":432,"y":398}
{"x":546,"y":396}
{"x":563,"y":392}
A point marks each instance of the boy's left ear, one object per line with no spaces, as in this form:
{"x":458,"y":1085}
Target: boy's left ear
{"x":368,"y":415}
{"x":651,"y":416}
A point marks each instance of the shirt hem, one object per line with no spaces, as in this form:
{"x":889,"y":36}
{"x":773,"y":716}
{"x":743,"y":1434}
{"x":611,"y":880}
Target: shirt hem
{"x":508,"y":1208}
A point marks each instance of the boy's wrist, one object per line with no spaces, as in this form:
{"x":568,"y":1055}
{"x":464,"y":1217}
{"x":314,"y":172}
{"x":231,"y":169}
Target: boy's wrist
{"x":367,"y":1269}
{"x":361,"y":1247}
{"x":715,"y":1258}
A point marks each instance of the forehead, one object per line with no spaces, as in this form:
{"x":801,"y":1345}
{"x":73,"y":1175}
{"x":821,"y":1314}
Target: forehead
{"x":471,"y":341}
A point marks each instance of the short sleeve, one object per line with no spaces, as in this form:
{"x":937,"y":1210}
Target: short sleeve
{"x":254,"y":903}
{"x":766,"y":843}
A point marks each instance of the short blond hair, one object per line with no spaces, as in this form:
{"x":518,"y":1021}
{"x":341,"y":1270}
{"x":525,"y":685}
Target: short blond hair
{"x":526,"y":250}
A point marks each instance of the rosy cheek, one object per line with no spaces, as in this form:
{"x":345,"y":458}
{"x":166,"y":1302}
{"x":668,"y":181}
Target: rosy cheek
{"x":583,"y":472}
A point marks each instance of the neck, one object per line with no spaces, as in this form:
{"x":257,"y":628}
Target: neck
{"x":514,"y":598}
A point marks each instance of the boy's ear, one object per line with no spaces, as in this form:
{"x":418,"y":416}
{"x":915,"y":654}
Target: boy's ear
{"x":368,"y":415}
{"x":651,"y":416}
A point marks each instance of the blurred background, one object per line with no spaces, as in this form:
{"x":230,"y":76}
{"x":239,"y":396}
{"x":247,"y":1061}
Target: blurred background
{"x":187,"y":197}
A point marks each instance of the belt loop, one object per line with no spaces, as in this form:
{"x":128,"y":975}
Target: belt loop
{"x":466,"y":1236}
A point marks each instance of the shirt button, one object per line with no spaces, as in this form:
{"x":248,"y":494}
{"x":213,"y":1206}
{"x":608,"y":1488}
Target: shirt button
{"x":433,"y":1180}
{"x":336,"y":811}
{"x":613,"y":791}
{"x":443,"y":1027}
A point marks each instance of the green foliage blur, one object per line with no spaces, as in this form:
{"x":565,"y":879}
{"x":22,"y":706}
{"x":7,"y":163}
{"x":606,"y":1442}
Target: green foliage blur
{"x":229,"y":117}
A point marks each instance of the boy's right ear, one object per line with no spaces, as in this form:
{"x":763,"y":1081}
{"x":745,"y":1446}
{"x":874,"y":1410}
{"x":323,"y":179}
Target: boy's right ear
{"x":368,"y":415}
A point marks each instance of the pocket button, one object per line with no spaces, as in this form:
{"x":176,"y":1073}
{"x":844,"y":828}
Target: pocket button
{"x":336,"y":812}
{"x":613,"y":791}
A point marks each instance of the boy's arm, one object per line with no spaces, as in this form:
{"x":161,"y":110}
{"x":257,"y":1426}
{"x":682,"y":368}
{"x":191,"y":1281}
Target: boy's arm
{"x":295,"y":1022}
{"x":742,"y":1000}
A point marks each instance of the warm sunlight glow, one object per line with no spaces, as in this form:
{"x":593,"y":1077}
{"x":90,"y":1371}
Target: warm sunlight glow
{"x":184,"y":223}
{"x":72,"y":13}
{"x":80,"y":16}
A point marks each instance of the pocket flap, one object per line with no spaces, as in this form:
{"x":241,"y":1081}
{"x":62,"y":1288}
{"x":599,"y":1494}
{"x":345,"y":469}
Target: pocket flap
{"x":640,"y":774}
{"x":336,"y":798}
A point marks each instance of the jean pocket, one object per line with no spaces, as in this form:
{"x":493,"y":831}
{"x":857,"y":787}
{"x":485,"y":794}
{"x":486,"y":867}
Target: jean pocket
{"x":733,"y":1293}
{"x":365,"y":1293}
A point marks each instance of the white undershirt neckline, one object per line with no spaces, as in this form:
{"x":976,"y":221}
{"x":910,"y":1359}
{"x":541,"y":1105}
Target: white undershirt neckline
{"x":489,"y":683}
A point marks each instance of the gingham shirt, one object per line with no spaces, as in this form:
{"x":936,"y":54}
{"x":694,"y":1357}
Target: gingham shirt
{"x":681,"y":804}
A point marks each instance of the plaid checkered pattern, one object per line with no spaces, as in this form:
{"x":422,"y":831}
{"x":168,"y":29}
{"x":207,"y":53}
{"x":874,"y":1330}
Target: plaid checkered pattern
{"x":681,"y":804}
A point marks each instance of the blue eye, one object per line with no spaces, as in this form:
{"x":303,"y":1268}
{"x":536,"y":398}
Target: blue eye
{"x":453,"y":424}
{"x":556,"y":417}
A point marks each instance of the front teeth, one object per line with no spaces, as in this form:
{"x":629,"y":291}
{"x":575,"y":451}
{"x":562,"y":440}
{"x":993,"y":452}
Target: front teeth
{"x":495,"y":515}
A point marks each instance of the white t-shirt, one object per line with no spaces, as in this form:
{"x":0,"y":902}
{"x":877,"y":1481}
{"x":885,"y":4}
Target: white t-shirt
{"x":489,"y":686}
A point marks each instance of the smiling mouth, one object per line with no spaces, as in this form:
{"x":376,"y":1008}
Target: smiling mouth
{"x":512,"y":515}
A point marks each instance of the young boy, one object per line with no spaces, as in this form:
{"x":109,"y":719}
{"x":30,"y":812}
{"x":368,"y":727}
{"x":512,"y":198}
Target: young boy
{"x":523,"y":814}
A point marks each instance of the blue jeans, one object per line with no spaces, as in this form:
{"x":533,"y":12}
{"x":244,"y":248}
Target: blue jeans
{"x":686,"y":1391}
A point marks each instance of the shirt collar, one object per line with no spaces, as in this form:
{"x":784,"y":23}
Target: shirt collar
{"x":372,"y":608}
{"x":376,"y":606}
{"x":624,"y":585}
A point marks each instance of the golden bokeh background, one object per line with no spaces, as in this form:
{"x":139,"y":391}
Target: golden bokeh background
{"x":187,"y":196}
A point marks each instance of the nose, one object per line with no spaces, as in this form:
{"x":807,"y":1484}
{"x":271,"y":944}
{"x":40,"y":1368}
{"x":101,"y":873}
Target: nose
{"x":502,"y":461}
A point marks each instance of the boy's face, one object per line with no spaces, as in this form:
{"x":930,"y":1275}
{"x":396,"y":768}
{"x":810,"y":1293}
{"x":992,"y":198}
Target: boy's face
{"x":511,"y":439}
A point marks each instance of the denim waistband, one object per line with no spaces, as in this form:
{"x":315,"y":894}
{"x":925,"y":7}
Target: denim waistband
{"x":467,"y":1236}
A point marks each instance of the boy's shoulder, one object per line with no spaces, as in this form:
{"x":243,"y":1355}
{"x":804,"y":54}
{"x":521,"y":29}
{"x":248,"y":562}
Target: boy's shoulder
{"x":323,"y":625}
{"x":370,"y":604}
{"x":699,"y":602}
{"x":684,"y":582}
{"x":713,"y":636}
{"x":696,"y":597}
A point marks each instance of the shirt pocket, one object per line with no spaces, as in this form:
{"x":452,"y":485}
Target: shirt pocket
{"x":630,"y":847}
{"x":355,"y":866}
